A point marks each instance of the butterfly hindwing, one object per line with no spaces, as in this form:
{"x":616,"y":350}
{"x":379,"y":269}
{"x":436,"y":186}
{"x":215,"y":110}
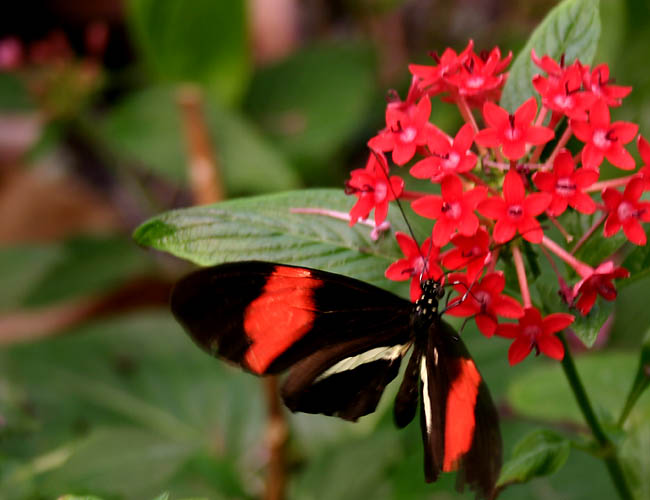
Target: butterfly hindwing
{"x":266,"y":317}
{"x":348,"y":379}
{"x":460,"y":424}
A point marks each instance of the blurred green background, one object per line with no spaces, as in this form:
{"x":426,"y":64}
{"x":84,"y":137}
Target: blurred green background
{"x":100,"y":390}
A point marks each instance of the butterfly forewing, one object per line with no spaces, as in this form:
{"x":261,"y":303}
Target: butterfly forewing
{"x":266,"y":317}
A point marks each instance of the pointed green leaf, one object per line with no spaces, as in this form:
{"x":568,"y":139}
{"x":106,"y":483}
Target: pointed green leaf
{"x":572,"y":28}
{"x":267,"y":228}
{"x":540,"y":453}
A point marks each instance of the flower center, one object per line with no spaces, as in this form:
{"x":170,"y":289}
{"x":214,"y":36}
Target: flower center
{"x":532,"y":331}
{"x":512,"y":134}
{"x":408,"y":134}
{"x":381,"y":190}
{"x":475,"y":82}
{"x":625,"y":210}
{"x":563,"y":101}
{"x":564,"y":187}
{"x":483,"y":299}
{"x":515,"y":212}
{"x":452,"y":161}
{"x":600,"y":139}
{"x":452,"y":210}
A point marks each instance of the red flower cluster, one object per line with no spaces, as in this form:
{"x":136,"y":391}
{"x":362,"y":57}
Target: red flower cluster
{"x":499,"y":180}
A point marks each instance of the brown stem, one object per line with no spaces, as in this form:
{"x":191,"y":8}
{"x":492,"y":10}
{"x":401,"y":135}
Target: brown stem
{"x":29,"y":325}
{"x":277,"y":435}
{"x":204,"y":172}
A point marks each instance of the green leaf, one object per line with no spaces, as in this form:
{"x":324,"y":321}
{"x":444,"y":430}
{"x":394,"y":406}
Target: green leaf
{"x":13,"y":93}
{"x":75,"y":497}
{"x":313,"y":102}
{"x":588,"y":327}
{"x":571,"y":28}
{"x":265,"y":228}
{"x":540,"y":453}
{"x":88,"y":265}
{"x":146,"y":128}
{"x":206,"y":43}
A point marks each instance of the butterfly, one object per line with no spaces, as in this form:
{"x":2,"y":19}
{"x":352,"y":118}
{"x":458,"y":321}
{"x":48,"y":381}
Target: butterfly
{"x":342,"y":341}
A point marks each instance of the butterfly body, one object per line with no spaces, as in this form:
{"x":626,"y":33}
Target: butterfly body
{"x":342,"y":341}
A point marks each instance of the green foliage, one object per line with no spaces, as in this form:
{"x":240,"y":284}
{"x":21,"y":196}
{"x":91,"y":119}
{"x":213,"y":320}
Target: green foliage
{"x":264,"y":228}
{"x":540,"y":453}
{"x":146,"y":128}
{"x":311,"y":110}
{"x":206,"y":43}
{"x":571,"y":29}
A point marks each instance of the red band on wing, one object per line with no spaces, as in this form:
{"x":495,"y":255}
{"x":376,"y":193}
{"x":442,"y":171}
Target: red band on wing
{"x":459,"y":420}
{"x":282,"y":314}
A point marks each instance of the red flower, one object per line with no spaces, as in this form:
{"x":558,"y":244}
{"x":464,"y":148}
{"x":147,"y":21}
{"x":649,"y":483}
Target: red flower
{"x":472,"y":252}
{"x":415,"y":263}
{"x":512,"y":132}
{"x":626,"y":210}
{"x":371,"y":186}
{"x":604,"y":139}
{"x":599,"y":282}
{"x":484,"y":301}
{"x":566,"y":185}
{"x":516,"y":212}
{"x":447,"y":157}
{"x":564,"y":93}
{"x":431,"y":77}
{"x":477,"y":75}
{"x":535,"y":331}
{"x":406,"y":129}
{"x":453,"y":210}
{"x":598,"y":82}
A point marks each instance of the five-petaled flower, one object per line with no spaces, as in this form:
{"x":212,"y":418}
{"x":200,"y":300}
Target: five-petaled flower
{"x":453,"y":210}
{"x":419,"y":264}
{"x":472,"y":252}
{"x":374,"y":189}
{"x":446,"y":157}
{"x":625,"y":210}
{"x":406,"y":129}
{"x":566,"y":185}
{"x":564,"y":93}
{"x":484,"y":300}
{"x":599,"y":282}
{"x":598,"y":83}
{"x":604,"y":139}
{"x":516,"y":211}
{"x":533,"y":331}
{"x":512,"y":131}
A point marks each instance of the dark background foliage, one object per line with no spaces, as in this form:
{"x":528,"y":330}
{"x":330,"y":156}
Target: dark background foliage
{"x":100,"y":391}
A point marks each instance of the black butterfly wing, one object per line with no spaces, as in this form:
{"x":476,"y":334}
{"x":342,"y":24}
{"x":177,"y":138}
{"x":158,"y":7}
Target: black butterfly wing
{"x":460,"y":425}
{"x":343,"y":338}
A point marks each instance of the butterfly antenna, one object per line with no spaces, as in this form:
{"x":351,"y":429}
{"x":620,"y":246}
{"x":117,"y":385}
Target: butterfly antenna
{"x":399,"y":205}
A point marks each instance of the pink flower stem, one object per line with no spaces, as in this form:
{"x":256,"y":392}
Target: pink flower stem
{"x":496,"y":164}
{"x":611,"y":183}
{"x":541,"y":116}
{"x":588,"y":234}
{"x":584,"y":270}
{"x":568,"y":237}
{"x":560,"y":144}
{"x":521,"y":275}
{"x":479,"y":182}
{"x":565,"y":290}
{"x":412,"y":195}
{"x":335,"y":214}
{"x":468,"y":116}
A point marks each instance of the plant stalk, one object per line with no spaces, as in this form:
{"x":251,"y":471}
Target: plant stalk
{"x":607,"y":447}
